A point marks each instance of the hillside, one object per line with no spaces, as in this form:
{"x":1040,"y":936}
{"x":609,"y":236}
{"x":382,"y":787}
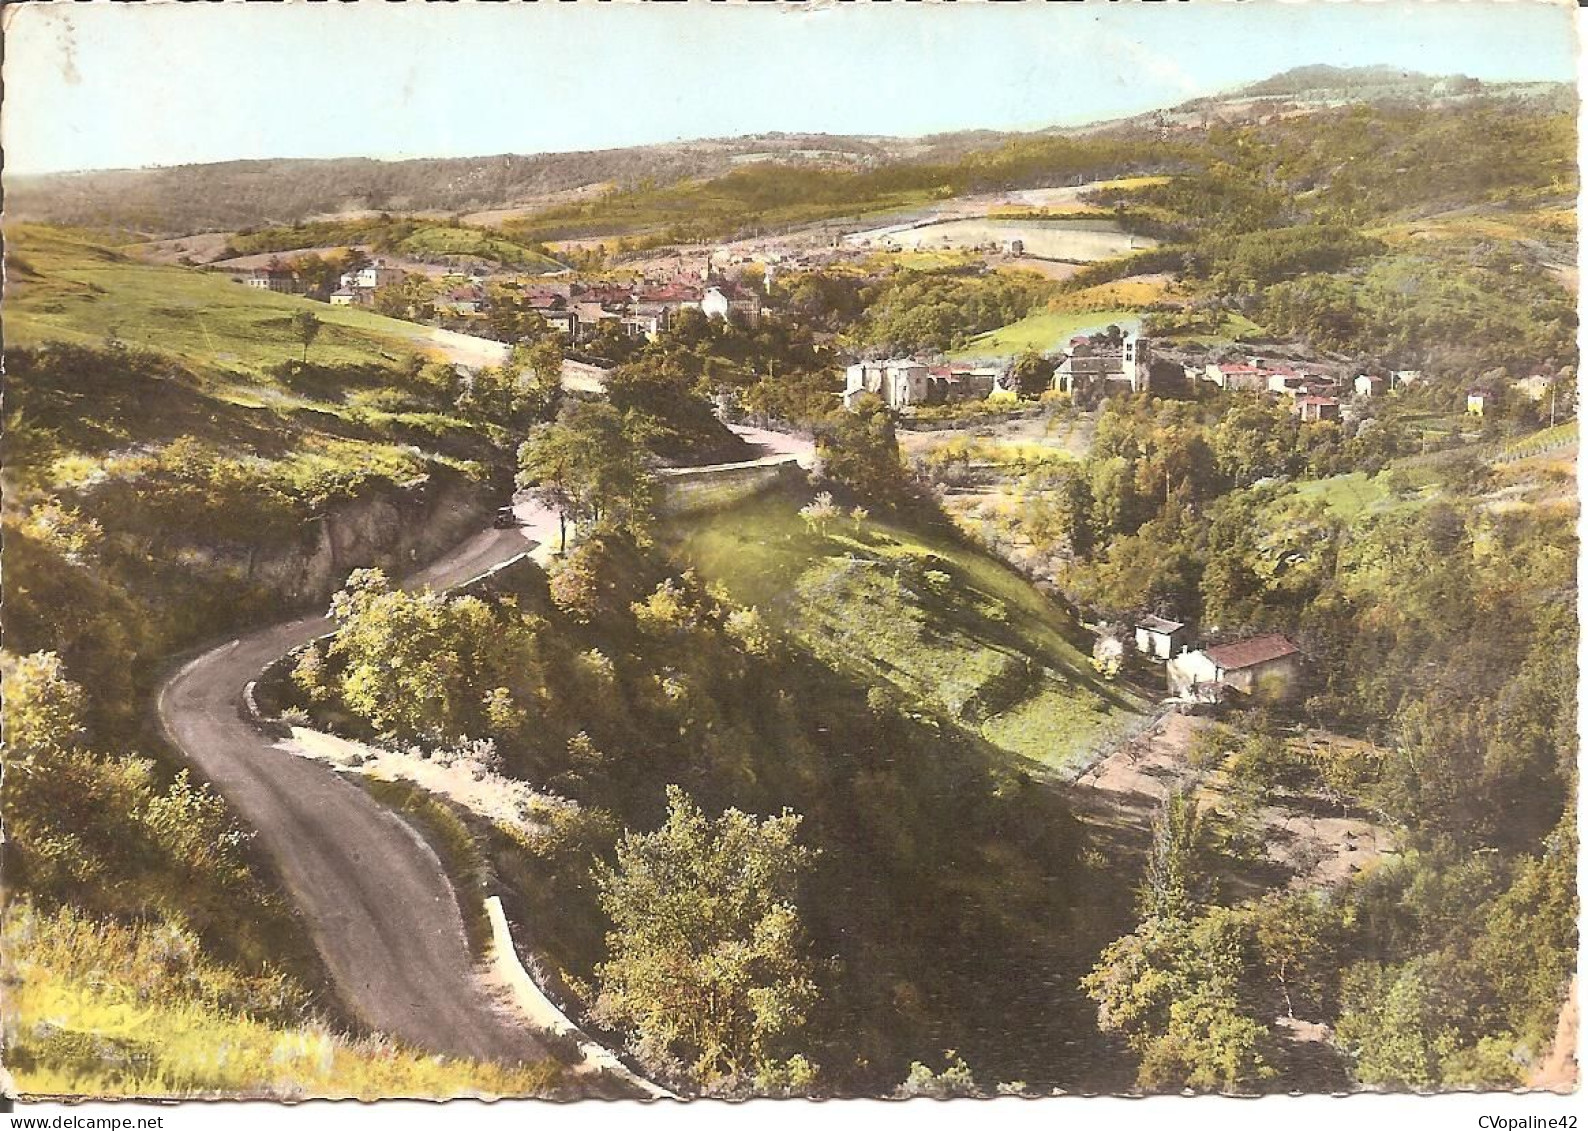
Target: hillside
{"x":235,"y":194}
{"x":70,"y":286}
{"x":945,"y":625}
{"x":226,"y":196}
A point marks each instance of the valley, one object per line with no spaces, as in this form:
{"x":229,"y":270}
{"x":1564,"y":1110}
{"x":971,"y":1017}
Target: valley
{"x":1100,"y":601}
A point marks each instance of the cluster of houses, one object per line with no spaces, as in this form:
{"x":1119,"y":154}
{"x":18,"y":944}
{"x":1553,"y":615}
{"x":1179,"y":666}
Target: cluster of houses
{"x":1536,"y":388}
{"x":642,"y":309}
{"x":638,"y":310}
{"x":1263,"y":668}
{"x":903,"y":382}
{"x":357,"y":288}
{"x":1314,"y":395}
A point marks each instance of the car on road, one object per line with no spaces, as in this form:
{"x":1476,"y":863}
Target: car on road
{"x":505,"y":519}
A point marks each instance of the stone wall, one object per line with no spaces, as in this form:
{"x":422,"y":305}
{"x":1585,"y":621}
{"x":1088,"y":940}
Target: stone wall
{"x":688,"y":490}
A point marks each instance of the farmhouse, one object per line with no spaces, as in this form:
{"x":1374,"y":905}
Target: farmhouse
{"x":565,"y":322}
{"x":588,"y":317}
{"x":1238,"y":377}
{"x":732,"y":303}
{"x":677,"y":295}
{"x":347,"y":296}
{"x":1159,"y":638}
{"x":462,"y":300}
{"x":1368,"y":385}
{"x":1536,"y":387}
{"x":1286,"y":382}
{"x":368,"y":278}
{"x":645,"y":320}
{"x":1262,"y":668}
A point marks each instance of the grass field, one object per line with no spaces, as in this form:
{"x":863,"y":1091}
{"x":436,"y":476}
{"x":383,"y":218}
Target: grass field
{"x":63,"y":287}
{"x":127,"y":1010}
{"x":948,"y":626}
{"x":1549,"y":224}
{"x":1357,"y":495}
{"x":1045,"y":331}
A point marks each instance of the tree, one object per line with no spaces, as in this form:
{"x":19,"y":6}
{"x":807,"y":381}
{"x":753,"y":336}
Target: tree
{"x":707,"y":965}
{"x":306,"y":325}
{"x":1032,"y":374}
{"x":423,"y":666}
{"x":1179,"y":991}
{"x":819,"y":513}
{"x":43,"y":708}
{"x":955,"y":1081}
{"x":858,"y":451}
{"x":586,"y":467}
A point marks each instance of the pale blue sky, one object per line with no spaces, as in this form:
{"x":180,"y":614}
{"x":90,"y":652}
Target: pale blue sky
{"x":123,"y":85}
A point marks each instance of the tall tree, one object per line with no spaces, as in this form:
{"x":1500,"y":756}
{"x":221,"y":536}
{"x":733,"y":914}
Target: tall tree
{"x":707,"y":963}
{"x":586,"y":467}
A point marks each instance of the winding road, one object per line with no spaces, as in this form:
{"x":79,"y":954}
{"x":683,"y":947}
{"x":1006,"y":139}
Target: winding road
{"x":377,"y":901}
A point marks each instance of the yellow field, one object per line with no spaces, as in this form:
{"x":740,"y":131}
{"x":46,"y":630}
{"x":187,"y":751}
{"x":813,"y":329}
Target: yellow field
{"x":1135,"y":291}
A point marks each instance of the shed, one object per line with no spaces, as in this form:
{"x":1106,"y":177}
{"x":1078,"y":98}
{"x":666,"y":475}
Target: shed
{"x":1160,"y":638}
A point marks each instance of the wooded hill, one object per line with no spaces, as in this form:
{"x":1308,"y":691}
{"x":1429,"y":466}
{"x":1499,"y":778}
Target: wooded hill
{"x":238,"y":194}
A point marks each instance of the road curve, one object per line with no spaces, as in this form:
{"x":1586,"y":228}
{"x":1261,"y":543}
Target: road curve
{"x":376,"y":899}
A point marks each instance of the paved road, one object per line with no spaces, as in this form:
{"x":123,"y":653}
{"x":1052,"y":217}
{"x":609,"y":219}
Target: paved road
{"x":777,"y":444}
{"x":376,"y":899}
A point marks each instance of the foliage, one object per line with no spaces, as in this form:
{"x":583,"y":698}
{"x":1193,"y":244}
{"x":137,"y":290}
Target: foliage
{"x":587,"y":467}
{"x":707,"y":965}
{"x":857,"y":452}
{"x":915,"y":312}
{"x":139,"y":1009}
{"x":1181,"y":993}
{"x":424,"y":666}
{"x":955,"y":1081}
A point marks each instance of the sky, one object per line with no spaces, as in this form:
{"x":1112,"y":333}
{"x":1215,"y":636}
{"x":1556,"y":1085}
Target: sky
{"x":127,"y":85}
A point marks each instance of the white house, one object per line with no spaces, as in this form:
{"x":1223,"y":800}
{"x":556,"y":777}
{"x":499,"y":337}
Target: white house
{"x":735,"y":304}
{"x":1536,"y":387}
{"x":273,"y":278}
{"x":1264,"y":667}
{"x":377,"y":274}
{"x":1367,"y":385}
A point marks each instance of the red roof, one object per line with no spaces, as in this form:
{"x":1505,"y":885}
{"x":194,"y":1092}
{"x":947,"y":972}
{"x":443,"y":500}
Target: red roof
{"x":1249,"y":653}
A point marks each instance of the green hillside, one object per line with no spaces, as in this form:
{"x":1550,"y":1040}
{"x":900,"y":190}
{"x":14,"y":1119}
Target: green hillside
{"x":945,"y":625}
{"x":423,"y":239}
{"x":62,"y":286}
{"x":1047,"y":330}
